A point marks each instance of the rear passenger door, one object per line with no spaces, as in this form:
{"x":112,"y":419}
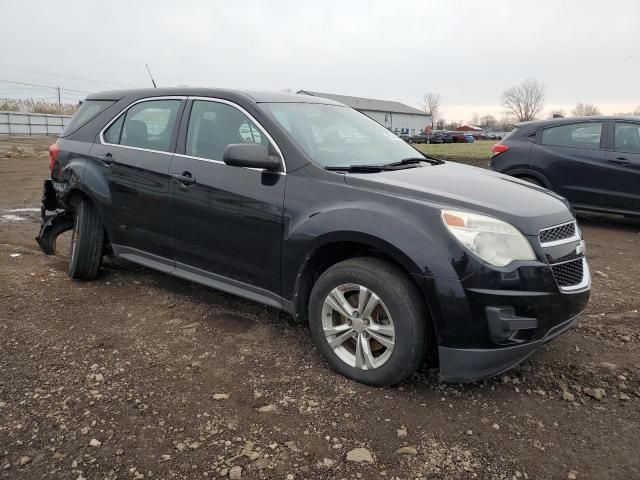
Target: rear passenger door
{"x":623,"y":156}
{"x":227,"y":220}
{"x":133,"y":155}
{"x":572,"y":158}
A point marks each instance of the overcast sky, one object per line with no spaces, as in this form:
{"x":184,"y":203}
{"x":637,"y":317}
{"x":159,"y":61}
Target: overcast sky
{"x":468,"y":51}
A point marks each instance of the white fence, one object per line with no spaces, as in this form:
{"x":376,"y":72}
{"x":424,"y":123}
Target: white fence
{"x":17,"y":123}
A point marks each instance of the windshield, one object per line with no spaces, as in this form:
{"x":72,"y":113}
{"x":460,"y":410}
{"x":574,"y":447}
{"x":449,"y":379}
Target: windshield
{"x":334,"y":135}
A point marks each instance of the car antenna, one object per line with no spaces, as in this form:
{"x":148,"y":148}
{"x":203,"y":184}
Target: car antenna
{"x":151,"y":76}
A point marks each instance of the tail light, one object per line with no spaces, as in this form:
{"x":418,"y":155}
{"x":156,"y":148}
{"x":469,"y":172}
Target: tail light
{"x":53,"y":155}
{"x":499,"y":148}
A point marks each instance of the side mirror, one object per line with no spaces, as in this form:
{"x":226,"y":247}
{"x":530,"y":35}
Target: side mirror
{"x":250,"y":155}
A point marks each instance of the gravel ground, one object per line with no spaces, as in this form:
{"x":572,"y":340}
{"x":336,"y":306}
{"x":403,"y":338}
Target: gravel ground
{"x":141,"y":375}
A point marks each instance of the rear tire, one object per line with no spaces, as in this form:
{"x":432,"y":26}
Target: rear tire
{"x":87,"y":242}
{"x":384,"y":343}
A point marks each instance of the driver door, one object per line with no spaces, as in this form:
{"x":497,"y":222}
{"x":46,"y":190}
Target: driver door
{"x":227,"y":221}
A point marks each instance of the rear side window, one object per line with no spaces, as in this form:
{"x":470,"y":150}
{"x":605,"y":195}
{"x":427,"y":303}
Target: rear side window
{"x":576,"y":135}
{"x":511,"y":133}
{"x":214,"y":125}
{"x":627,"y":137}
{"x":85,"y":113}
{"x":146,"y":125}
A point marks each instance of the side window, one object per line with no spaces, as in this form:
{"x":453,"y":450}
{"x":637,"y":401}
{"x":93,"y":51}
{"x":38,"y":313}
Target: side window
{"x":112,"y":135}
{"x":576,"y":135}
{"x":214,"y":125}
{"x":627,"y":137}
{"x":249,"y":133}
{"x":85,"y":113}
{"x":145,"y":125}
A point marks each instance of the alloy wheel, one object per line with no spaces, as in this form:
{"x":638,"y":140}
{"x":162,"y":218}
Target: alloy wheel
{"x":358,"y":327}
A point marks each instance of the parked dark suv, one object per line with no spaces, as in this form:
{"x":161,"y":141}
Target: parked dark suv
{"x":306,"y":205}
{"x":420,"y":137}
{"x":594,"y":162}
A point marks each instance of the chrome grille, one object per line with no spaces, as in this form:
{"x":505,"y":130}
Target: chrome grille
{"x":559,"y":232}
{"x":568,"y":274}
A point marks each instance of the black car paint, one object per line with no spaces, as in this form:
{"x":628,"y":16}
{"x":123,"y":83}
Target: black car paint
{"x":590,"y":179}
{"x":258,"y":233}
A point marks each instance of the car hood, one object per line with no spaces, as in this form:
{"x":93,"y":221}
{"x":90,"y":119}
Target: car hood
{"x":453,"y":185}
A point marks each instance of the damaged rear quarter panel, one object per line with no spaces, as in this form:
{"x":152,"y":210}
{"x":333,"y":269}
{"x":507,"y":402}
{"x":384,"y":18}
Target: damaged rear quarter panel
{"x":68,"y":171}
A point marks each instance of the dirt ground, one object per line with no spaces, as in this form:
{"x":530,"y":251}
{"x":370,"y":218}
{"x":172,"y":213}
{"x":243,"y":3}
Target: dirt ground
{"x":142,"y":375}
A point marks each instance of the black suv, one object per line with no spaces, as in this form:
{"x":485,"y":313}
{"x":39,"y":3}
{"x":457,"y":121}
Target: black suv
{"x":309,"y":206}
{"x":594,"y":162}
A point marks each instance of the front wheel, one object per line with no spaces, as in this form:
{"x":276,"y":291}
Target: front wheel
{"x":368,"y":320}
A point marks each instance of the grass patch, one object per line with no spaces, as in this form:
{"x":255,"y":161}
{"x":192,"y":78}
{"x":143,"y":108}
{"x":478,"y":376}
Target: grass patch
{"x":479,"y":150}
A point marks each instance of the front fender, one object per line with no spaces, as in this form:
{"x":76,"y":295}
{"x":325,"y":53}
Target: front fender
{"x":414,"y":237}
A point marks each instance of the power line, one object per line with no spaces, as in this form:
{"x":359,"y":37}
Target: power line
{"x":73,"y":94}
{"x":108,"y":82}
{"x":26,"y":84}
{"x":36,"y":85}
{"x":24,"y":87}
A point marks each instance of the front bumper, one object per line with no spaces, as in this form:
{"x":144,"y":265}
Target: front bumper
{"x":461,"y":365}
{"x":496,"y":318}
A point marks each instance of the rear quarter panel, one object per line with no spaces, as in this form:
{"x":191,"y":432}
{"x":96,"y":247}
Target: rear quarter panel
{"x":518,"y":157}
{"x":68,"y":171}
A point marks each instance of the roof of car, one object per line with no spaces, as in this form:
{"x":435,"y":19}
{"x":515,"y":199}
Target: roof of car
{"x":559,"y":121}
{"x":256,"y":96}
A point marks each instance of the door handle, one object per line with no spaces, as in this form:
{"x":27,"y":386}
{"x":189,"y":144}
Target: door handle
{"x":107,"y":159}
{"x":185,"y":178}
{"x":620,"y":161}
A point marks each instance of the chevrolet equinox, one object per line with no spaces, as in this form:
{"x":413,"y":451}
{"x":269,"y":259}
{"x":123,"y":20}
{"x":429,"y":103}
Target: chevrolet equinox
{"x":394,"y":258}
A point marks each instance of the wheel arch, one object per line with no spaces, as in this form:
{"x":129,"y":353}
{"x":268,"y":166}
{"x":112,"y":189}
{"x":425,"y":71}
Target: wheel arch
{"x":335,"y":248}
{"x":74,"y":196}
{"x":526,"y":172}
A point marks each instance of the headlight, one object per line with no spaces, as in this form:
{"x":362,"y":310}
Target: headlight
{"x":494,"y":241}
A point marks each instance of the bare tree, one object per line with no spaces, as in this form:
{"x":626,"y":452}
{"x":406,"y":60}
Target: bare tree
{"x":505,"y":124}
{"x":524,"y":101}
{"x":432,"y":106}
{"x":585,"y":110}
{"x":475,"y":119}
{"x":635,"y":113}
{"x":487,"y":122}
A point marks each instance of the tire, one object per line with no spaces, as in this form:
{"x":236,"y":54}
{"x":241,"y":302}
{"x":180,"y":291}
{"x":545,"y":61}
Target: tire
{"x":401,"y":309}
{"x":87,"y":242}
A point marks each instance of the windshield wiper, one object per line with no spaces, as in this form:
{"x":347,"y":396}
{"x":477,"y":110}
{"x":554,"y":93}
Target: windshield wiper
{"x":359,"y":168}
{"x":413,"y":161}
{"x":410,"y":162}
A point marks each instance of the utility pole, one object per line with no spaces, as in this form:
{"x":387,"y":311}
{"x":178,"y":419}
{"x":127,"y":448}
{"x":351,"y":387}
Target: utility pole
{"x":59,"y":102}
